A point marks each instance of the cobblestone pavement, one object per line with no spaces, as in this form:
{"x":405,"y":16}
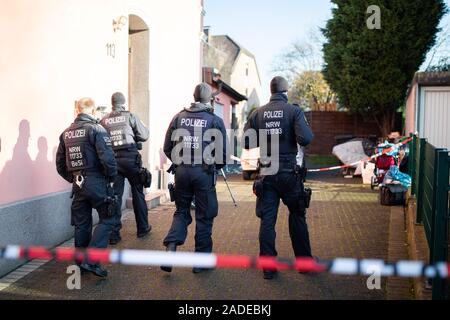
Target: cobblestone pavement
{"x":345,"y":220}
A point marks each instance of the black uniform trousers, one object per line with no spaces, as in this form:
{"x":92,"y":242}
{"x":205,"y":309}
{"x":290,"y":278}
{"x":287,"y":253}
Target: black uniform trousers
{"x":91,"y":195}
{"x":194,"y":182}
{"x":288,"y":187}
{"x":129,"y":164}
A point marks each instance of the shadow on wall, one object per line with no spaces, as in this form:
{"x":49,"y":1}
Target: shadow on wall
{"x":23,"y":178}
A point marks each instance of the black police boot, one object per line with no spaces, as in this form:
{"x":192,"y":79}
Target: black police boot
{"x":170,"y":247}
{"x":199,"y":270}
{"x":115,"y":240}
{"x":142,"y":234}
{"x":82,"y":271}
{"x":269,"y":274}
{"x":96,"y":269}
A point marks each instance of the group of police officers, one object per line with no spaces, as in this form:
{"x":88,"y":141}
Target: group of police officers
{"x":96,"y":157}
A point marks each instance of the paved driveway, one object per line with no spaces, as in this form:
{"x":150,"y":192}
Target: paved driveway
{"x":345,"y":220}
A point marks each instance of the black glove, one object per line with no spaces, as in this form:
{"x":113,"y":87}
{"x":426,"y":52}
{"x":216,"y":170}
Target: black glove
{"x":145,"y":177}
{"x":258,"y":187}
{"x":172,"y":169}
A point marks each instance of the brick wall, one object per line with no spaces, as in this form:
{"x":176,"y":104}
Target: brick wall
{"x":327,"y":125}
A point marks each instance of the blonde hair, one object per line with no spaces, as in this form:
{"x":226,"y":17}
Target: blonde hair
{"x":85,"y":103}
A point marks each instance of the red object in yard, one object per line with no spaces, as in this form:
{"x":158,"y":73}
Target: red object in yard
{"x":384,"y":162}
{"x":382,"y":165}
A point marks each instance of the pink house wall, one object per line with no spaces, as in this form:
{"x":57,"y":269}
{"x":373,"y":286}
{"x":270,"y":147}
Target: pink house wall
{"x":226,"y":102}
{"x":56,"y":51}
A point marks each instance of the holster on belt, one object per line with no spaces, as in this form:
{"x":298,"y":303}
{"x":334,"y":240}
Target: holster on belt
{"x":301,"y":172}
{"x":171,"y":187}
{"x":306,"y":196}
{"x":258,"y":184}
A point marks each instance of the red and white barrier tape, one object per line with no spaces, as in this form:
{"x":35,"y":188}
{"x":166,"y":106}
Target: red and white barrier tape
{"x":398,"y":145}
{"x":339,"y":266}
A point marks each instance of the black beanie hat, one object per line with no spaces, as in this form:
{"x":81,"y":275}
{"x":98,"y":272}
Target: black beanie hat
{"x":118,"y":99}
{"x":279,"y":84}
{"x":203,"y":93}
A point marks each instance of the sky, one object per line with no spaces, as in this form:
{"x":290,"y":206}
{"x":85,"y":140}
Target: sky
{"x":266,"y":27}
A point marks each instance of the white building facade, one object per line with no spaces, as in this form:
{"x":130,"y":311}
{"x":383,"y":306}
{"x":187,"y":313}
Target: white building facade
{"x":57,"y":51}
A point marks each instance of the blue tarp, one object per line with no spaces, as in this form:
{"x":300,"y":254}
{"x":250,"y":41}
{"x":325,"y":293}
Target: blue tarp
{"x":394,"y":174}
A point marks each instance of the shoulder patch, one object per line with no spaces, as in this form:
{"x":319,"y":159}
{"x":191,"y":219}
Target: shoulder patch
{"x":107,"y":140}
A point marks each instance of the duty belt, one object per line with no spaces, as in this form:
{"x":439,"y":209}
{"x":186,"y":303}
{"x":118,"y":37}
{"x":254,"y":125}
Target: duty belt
{"x":193,"y":165}
{"x":207,"y":167}
{"x":127,"y":148}
{"x":284,"y":166}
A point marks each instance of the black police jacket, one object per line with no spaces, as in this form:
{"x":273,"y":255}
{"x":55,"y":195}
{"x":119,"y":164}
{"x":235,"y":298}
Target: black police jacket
{"x":85,"y":146}
{"x":279,"y":118}
{"x":125,"y":128}
{"x":195,"y":136}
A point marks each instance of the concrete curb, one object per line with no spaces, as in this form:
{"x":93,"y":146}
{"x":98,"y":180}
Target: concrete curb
{"x":417,"y":247}
{"x":398,"y":288}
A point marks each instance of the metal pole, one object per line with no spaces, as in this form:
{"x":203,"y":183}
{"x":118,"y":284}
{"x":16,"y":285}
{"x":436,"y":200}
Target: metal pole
{"x":229,"y":190}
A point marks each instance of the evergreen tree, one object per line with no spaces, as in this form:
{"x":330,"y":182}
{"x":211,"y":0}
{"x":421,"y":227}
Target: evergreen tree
{"x":370,"y":69}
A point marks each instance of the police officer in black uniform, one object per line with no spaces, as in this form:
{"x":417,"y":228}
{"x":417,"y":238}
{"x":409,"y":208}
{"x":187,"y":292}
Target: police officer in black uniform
{"x":126,"y":131}
{"x":86,"y":159}
{"x":195,"y":175}
{"x":287,"y":125}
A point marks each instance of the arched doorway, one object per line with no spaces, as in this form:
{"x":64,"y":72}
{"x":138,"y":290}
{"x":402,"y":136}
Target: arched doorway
{"x":138,"y":74}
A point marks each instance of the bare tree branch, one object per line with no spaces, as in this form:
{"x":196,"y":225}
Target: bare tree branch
{"x":300,"y":56}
